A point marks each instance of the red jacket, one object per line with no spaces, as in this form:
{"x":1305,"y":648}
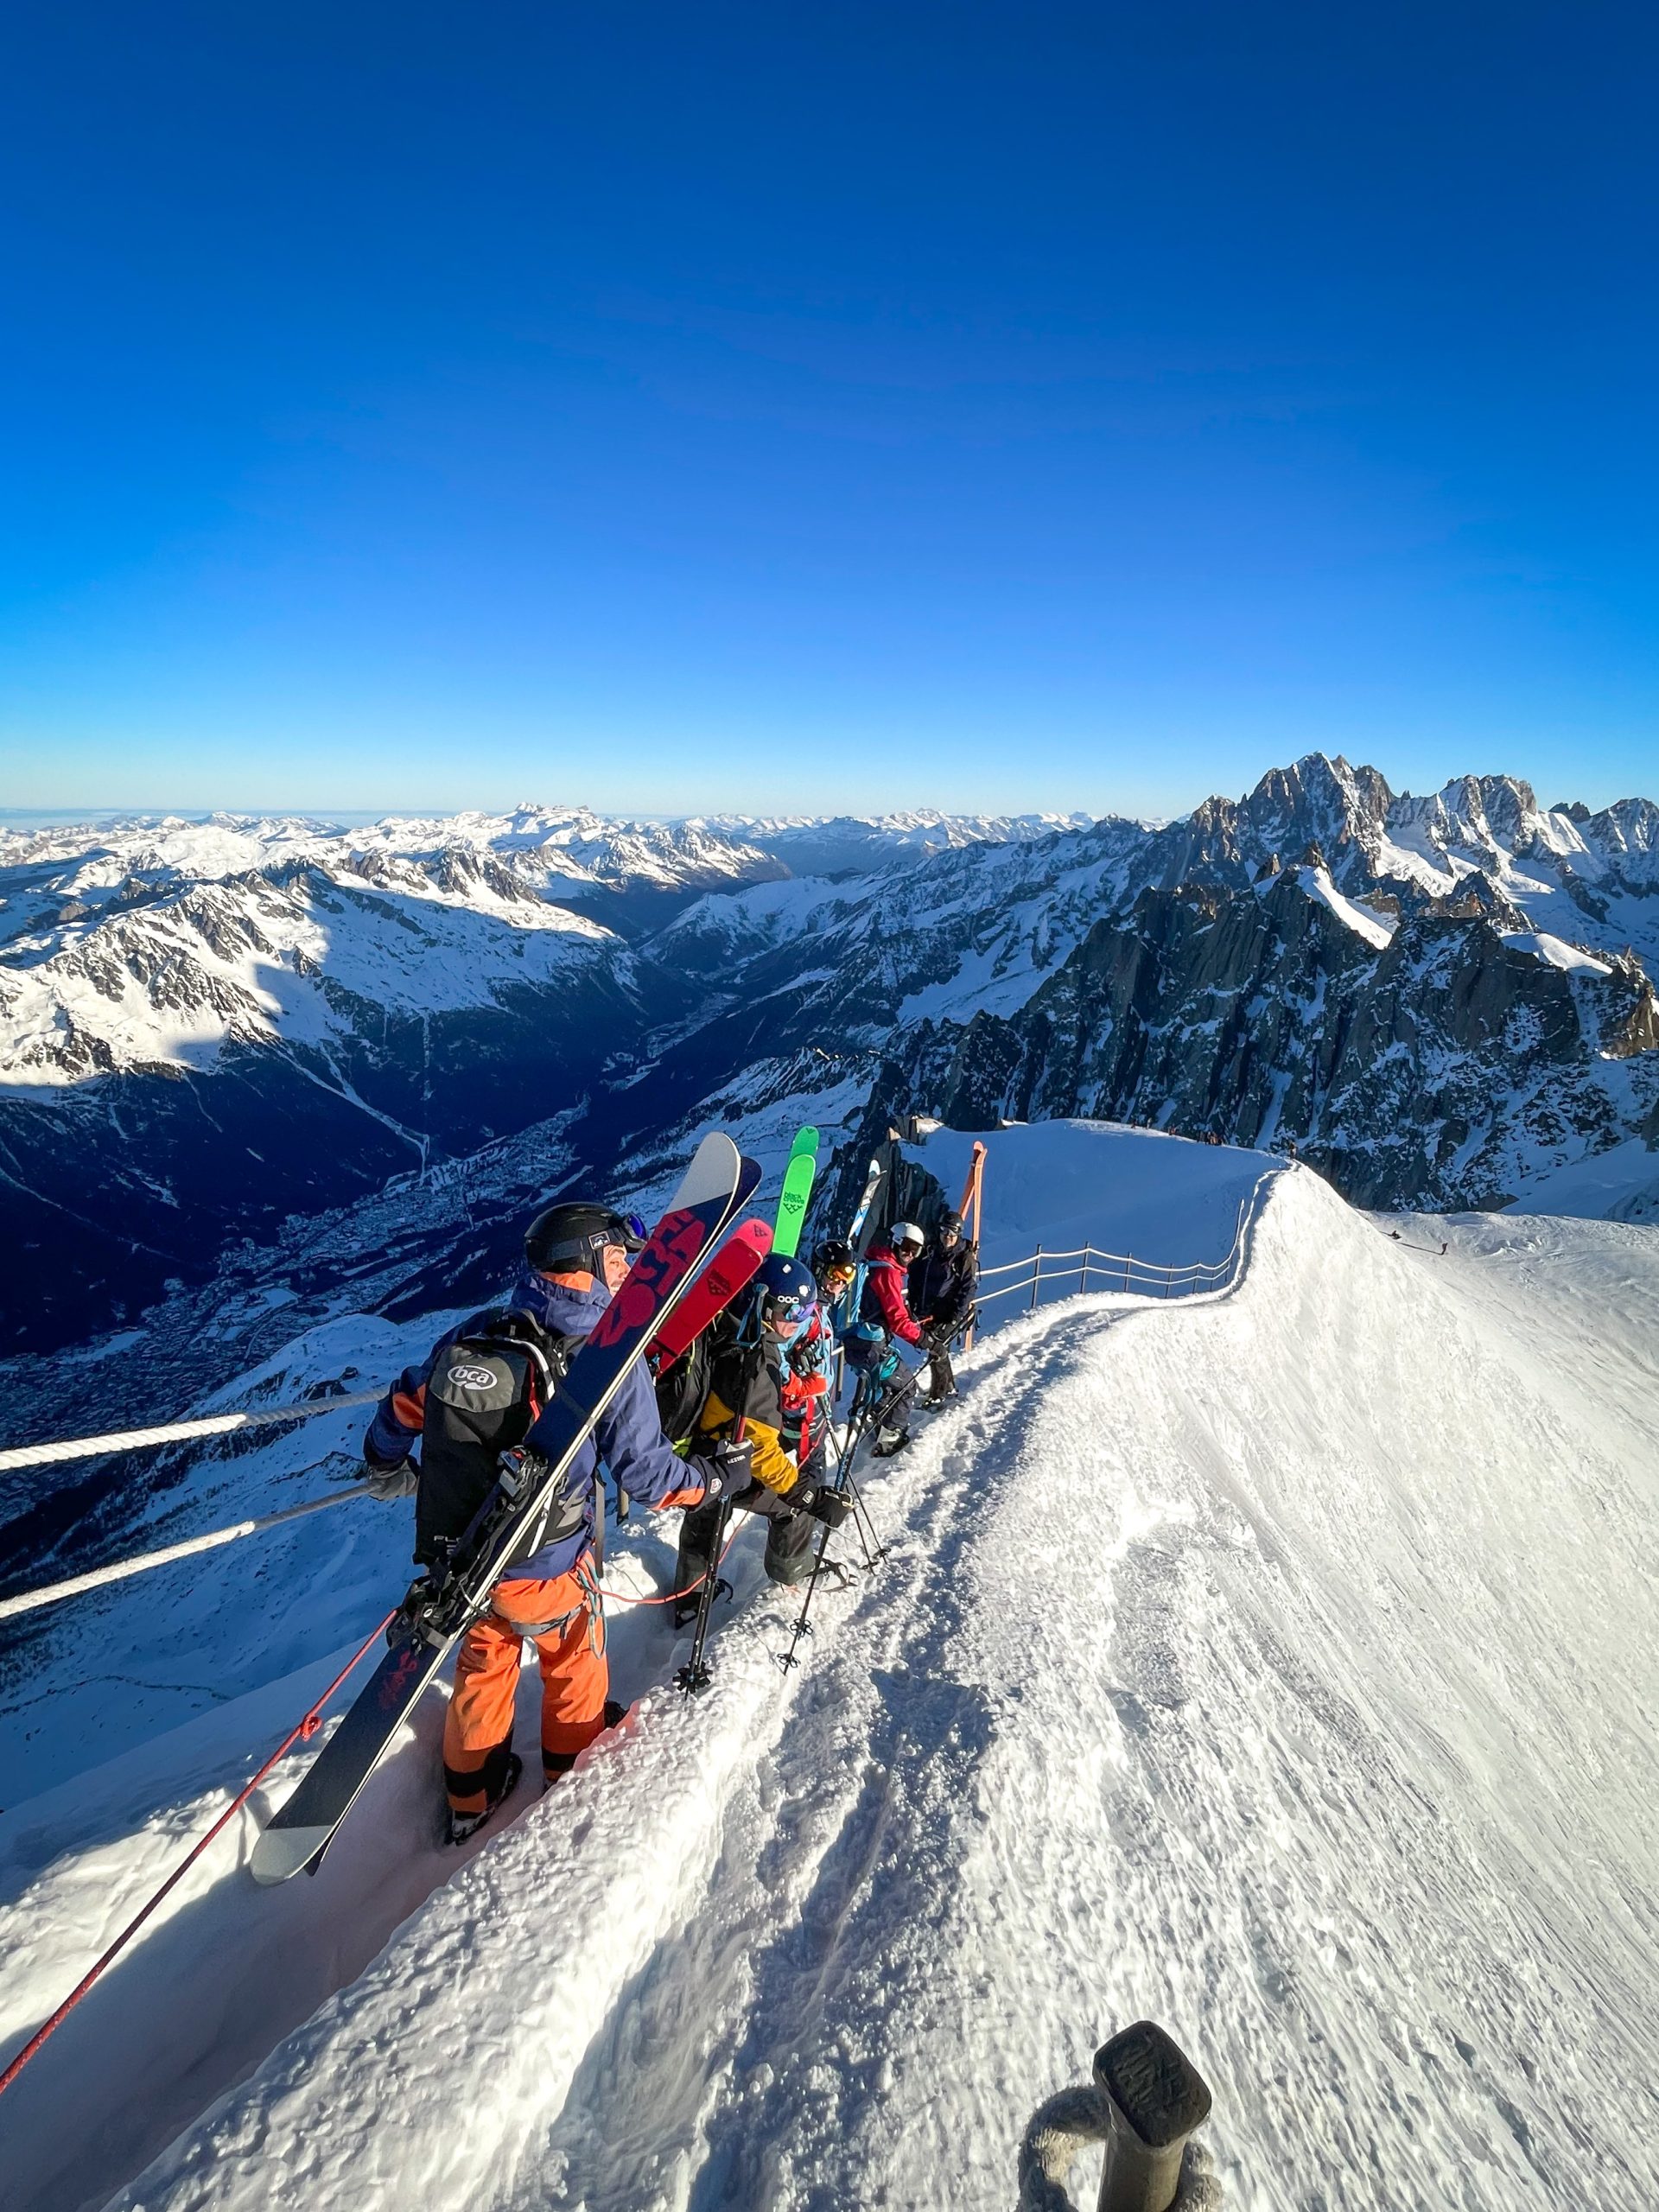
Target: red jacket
{"x":806,"y":1383}
{"x":884,"y":1295}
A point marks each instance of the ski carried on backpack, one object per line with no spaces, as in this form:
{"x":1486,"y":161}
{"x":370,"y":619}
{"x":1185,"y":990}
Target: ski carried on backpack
{"x":438,"y":1613}
{"x":973,"y":1192}
{"x":798,"y":1178}
{"x":852,"y":1298}
{"x":969,"y":1208}
{"x":872,"y":1185}
{"x":727,"y":1275}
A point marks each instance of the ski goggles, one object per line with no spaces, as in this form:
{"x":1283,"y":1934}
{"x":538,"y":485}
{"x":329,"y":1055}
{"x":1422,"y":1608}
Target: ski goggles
{"x":625,"y":1229}
{"x":840,"y":1277}
{"x":789,"y":1312}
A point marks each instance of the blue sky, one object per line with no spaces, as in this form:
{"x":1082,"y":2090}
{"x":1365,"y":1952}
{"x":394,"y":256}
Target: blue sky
{"x":743,"y":406}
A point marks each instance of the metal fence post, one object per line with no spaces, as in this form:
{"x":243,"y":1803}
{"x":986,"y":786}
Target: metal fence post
{"x":1126,"y":1272}
{"x":1169,"y":1277}
{"x":1036,"y":1278}
{"x":1084,"y":1285}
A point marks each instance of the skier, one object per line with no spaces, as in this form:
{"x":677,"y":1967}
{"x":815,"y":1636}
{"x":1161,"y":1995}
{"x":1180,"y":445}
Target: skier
{"x":872,"y":1342}
{"x":941,"y":1289}
{"x":744,"y":1400}
{"x":833,"y":1270}
{"x":475,"y":1396}
{"x":809,"y":1360}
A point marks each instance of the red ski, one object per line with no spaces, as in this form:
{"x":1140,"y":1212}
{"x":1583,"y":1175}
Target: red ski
{"x":730,"y":1272}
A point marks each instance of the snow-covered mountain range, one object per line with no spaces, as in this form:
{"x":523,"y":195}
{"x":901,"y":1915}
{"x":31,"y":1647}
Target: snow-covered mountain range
{"x":210,"y":1030}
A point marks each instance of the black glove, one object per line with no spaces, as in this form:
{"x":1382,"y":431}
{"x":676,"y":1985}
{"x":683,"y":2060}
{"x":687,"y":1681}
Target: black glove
{"x":387,"y":1483}
{"x":826,"y":1505}
{"x":724,"y":1467}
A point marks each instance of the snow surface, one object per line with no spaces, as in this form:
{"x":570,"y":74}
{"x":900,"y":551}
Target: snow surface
{"x":1374,"y":928}
{"x":1067,"y":1182}
{"x":1556,"y":951}
{"x":1274,"y":1664}
{"x":1621,"y":1184}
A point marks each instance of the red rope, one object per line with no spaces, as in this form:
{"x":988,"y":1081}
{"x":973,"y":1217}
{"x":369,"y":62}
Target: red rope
{"x":628,"y":1598}
{"x":307,"y":1728}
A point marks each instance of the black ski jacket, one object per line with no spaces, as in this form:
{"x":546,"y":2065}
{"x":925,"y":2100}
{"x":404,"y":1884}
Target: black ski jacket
{"x":941,"y":1286}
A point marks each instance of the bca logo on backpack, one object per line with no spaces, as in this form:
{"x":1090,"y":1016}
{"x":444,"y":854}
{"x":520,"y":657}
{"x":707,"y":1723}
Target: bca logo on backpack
{"x":480,"y":1401}
{"x":466,"y":1383}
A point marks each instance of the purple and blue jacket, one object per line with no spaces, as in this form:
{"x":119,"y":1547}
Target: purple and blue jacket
{"x":628,"y":1437}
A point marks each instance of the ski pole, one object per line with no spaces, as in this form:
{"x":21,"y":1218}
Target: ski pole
{"x":695,"y":1677}
{"x":875,"y":1550}
{"x":856,"y":1423}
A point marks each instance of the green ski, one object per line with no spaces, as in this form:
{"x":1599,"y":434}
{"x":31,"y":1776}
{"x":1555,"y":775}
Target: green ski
{"x":797,"y":1189}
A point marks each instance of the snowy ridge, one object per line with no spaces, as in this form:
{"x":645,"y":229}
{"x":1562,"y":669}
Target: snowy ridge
{"x":140,"y":944}
{"x":1213,"y":1678}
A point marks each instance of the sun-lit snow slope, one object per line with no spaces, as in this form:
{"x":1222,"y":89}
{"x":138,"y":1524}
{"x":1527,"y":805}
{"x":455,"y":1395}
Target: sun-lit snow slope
{"x":1621,"y":1184}
{"x":1063,"y":1185}
{"x":1591,"y":1287}
{"x":1274,"y":1665}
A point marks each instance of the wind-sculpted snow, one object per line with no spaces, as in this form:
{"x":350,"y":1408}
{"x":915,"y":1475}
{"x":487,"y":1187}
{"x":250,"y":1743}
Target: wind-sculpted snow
{"x":1270,"y":1664}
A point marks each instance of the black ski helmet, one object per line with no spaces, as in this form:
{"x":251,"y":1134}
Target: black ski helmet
{"x":569,"y":1237}
{"x":950,"y":1223}
{"x":834,"y":1254}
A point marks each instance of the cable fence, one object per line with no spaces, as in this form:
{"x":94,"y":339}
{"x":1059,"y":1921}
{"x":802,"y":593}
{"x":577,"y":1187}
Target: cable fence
{"x":1089,"y":1266}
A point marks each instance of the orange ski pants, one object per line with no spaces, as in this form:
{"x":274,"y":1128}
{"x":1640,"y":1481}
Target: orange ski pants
{"x":566,"y":1622}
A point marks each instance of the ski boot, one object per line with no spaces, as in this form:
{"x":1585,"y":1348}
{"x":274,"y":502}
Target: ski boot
{"x":463,"y":1825}
{"x":889,"y":1442}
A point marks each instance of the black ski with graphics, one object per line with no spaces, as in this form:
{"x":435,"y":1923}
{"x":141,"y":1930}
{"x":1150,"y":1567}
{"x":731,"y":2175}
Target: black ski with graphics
{"x":530,"y":1486}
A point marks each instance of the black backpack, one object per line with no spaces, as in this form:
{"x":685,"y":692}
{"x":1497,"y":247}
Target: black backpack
{"x":484,"y":1392}
{"x":682,"y":1389}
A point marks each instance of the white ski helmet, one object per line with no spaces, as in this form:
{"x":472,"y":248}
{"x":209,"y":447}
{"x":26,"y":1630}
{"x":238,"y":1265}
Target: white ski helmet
{"x":905,"y":1232}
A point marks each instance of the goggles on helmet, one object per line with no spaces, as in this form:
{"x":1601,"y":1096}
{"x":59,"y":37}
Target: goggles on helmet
{"x":788,"y":1312}
{"x":625,"y":1229}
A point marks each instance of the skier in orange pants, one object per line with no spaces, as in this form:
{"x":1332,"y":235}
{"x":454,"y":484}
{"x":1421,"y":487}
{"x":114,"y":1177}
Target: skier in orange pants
{"x":479,"y":1393}
{"x":563,"y":1618}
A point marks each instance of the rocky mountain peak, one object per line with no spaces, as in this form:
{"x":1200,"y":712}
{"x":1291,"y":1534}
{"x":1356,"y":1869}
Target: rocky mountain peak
{"x":1321,"y":801}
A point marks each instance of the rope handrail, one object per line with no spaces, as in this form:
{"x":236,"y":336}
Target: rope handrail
{"x":1117,"y":1259}
{"x":185,"y":1432}
{"x":28,"y":1601}
{"x":175,"y":1431}
{"x":303,"y":1730}
{"x":1036,"y":1273}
